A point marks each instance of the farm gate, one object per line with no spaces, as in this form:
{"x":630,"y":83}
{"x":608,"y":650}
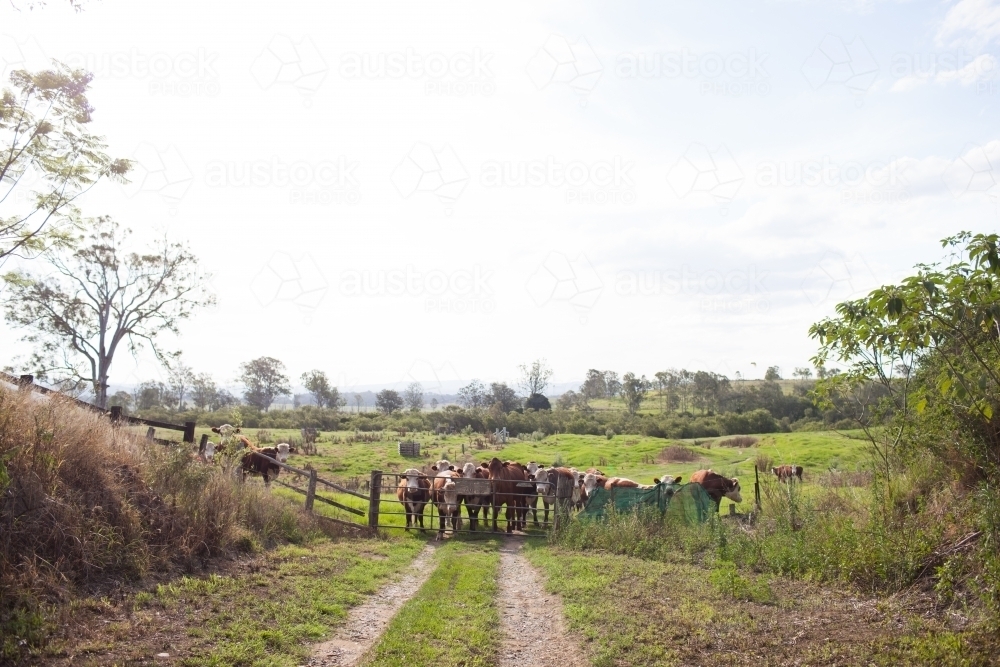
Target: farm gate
{"x":386,"y":512}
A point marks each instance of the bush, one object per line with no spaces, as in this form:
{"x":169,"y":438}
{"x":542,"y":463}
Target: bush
{"x":610,"y":433}
{"x":740,"y":441}
{"x":677,"y":454}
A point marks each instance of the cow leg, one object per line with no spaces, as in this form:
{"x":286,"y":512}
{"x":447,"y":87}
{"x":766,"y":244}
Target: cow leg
{"x":442,"y":518}
{"x":511,"y":515}
{"x":496,"y":512}
{"x":533,"y":504}
{"x":419,"y":516}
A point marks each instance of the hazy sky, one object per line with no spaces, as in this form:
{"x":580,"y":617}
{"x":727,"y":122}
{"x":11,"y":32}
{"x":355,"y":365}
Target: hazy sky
{"x":441,"y":191}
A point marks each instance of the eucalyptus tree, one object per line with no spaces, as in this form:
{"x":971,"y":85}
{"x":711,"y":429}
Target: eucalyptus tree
{"x":95,"y":296}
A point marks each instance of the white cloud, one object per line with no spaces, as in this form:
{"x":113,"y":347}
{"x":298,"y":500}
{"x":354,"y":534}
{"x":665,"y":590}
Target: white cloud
{"x":970,"y":24}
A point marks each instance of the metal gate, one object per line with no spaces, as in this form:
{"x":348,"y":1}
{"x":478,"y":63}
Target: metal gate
{"x":477,"y":498}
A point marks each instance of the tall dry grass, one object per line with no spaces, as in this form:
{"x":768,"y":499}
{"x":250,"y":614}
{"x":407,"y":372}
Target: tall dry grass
{"x":83,"y":502}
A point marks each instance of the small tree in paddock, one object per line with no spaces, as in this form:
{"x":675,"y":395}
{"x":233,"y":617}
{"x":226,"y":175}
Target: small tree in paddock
{"x":388,"y":401}
{"x":634,"y":390}
{"x":413,"y":396}
{"x":323,"y":392}
{"x":264,"y":380}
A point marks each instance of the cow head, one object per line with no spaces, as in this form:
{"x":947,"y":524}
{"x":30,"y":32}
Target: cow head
{"x":469,"y":470}
{"x":283,"y":451}
{"x":532,"y":468}
{"x":666,"y":480}
{"x":443,"y":465}
{"x":495,"y":466}
{"x":412,"y":476}
{"x":225,"y":430}
{"x":733,"y":490}
{"x":590,"y":482}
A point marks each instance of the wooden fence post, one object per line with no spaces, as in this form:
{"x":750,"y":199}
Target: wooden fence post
{"x":116,"y":413}
{"x":374,"y":498}
{"x":311,"y":491}
{"x":204,"y":441}
{"x":756,"y":487}
{"x":150,"y":433}
{"x":27,"y":380}
{"x":564,"y":496}
{"x":189,"y":432}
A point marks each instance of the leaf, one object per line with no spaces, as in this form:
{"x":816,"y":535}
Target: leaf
{"x":921,"y":405}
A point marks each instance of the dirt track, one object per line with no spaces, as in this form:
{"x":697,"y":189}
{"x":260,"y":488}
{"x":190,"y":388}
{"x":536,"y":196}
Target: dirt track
{"x":531,"y":620}
{"x":366,"y":622}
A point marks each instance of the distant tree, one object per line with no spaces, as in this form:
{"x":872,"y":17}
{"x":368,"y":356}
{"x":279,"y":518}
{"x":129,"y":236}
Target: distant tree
{"x":264,"y":380}
{"x":594,"y":385}
{"x":612,"y":384}
{"x":223,"y":399}
{"x":535,"y":377}
{"x":388,"y":401}
{"x":92,"y":300}
{"x":47,"y":158}
{"x":151,"y":394}
{"x":180,"y":378}
{"x":413,"y":396}
{"x":708,"y":390}
{"x":504,"y":396}
{"x":359,"y":401}
{"x":568,"y":400}
{"x":324,"y":393}
{"x":537,"y":402}
{"x":434,"y":404}
{"x":203,"y":391}
{"x":122,"y":398}
{"x":473,"y":395}
{"x":802,"y":373}
{"x":772,"y":374}
{"x":634,"y":390}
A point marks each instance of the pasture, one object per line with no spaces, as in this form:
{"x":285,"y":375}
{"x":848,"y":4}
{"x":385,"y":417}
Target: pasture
{"x":637,"y":457}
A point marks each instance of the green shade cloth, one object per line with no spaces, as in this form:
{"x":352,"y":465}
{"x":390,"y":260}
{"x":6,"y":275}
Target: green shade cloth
{"x":689,"y":501}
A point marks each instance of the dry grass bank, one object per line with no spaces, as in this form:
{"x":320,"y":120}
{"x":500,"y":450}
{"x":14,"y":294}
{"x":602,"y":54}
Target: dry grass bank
{"x":83,"y":503}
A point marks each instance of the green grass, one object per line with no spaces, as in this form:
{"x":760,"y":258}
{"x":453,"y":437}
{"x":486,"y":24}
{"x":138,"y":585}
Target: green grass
{"x":453,"y":618}
{"x":631,"y":611}
{"x":267,"y":616}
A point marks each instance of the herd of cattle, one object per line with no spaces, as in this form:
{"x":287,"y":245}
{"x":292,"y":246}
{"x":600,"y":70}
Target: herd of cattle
{"x":518,"y":488}
{"x":507,"y":484}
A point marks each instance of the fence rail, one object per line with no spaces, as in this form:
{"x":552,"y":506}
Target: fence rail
{"x":115,"y":413}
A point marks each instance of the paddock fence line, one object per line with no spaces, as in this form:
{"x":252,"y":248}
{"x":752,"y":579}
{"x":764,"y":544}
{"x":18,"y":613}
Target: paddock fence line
{"x":115,"y":413}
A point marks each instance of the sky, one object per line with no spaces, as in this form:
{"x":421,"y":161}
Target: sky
{"x":397,"y":191}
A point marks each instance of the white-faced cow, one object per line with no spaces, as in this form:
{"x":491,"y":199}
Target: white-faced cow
{"x":444,"y":495}
{"x":475,"y":503}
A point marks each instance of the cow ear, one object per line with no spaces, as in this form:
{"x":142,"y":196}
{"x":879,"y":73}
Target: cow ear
{"x":451,"y":467}
{"x":677,"y":480}
{"x":656,"y":480}
{"x":434,"y":468}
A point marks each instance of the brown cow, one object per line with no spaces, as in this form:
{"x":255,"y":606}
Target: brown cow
{"x":255,"y":463}
{"x":444,"y":495}
{"x":787,"y":472}
{"x":414,"y":491}
{"x":718,"y":487}
{"x":505,"y":492}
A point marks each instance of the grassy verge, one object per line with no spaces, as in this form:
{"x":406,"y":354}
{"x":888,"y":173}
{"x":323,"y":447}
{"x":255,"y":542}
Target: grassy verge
{"x":268,"y":614}
{"x":639,"y":612}
{"x":453,"y":618}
